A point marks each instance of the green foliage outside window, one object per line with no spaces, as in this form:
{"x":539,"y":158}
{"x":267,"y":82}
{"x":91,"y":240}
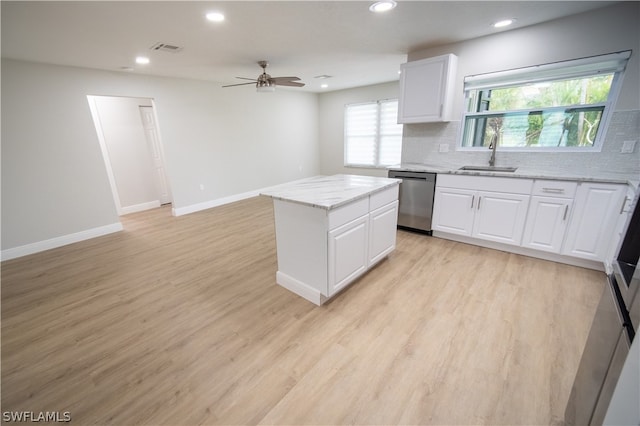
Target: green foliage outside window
{"x":557,"y":113}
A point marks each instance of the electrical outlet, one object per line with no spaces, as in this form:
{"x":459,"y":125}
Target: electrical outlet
{"x":444,"y":147}
{"x":628,"y":147}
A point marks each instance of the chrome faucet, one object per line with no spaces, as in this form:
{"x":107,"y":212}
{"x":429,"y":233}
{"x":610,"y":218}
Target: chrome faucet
{"x":492,"y":146}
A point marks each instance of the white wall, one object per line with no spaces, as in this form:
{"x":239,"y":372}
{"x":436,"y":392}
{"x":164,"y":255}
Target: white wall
{"x":610,"y":29}
{"x":331,"y":109}
{"x":54,"y":181}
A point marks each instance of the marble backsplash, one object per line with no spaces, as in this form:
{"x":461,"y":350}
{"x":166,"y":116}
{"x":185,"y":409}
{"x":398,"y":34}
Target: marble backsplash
{"x":421,"y":144}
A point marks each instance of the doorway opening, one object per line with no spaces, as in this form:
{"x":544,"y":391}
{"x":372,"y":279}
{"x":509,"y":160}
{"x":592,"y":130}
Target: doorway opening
{"x":129,"y":137}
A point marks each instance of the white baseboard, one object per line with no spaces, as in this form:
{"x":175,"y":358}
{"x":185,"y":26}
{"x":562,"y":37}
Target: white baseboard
{"x":63,"y":240}
{"x":140,"y":207}
{"x":225,"y":200}
{"x":300,"y":288}
{"x":213,"y":203}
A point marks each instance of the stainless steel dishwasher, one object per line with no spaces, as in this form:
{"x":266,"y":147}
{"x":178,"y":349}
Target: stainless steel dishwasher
{"x":416,"y":199}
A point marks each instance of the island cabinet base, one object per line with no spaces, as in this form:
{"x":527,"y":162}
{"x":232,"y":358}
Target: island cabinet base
{"x":321,"y":251}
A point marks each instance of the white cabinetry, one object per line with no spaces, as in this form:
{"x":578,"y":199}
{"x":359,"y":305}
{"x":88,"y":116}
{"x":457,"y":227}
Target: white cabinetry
{"x":453,"y":210}
{"x":597,"y":207}
{"x":549,"y":213}
{"x":359,"y":244}
{"x":426,"y":89}
{"x":493,"y":209}
{"x":347,"y":253}
{"x":500,"y":217}
{"x":567,"y":221}
{"x":383,"y":224}
{"x":322,"y":251}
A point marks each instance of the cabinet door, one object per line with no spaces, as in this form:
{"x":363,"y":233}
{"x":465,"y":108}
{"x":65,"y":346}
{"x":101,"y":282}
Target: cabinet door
{"x":547,"y":223}
{"x":425,"y":89}
{"x":596,"y":210}
{"x":500,"y":217}
{"x":453,"y":210}
{"x":382,"y":231}
{"x":347,"y":253}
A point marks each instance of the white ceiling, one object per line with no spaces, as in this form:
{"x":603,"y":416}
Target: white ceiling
{"x":302,"y":38}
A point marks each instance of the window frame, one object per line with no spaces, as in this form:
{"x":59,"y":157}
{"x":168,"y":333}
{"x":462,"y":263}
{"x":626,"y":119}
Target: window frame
{"x":557,"y":71}
{"x":377,"y":136}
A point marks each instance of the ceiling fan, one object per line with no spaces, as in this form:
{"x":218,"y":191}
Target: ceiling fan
{"x":266,"y":83}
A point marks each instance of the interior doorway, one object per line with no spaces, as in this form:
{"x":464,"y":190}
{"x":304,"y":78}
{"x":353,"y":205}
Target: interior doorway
{"x":129,"y":138}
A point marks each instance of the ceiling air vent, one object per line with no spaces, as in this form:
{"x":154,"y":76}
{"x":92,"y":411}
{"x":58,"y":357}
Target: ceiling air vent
{"x":166,"y":47}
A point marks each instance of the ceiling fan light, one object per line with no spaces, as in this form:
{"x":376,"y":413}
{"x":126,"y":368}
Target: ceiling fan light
{"x":265,"y":87}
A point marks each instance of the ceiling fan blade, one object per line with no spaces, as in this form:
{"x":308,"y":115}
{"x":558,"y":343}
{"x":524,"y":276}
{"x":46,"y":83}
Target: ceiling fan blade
{"x":244,"y":78}
{"x":279,"y":79}
{"x":239,"y":84}
{"x":290,"y":83}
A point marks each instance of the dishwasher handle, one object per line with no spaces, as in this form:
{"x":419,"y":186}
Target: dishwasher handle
{"x":428,"y":177}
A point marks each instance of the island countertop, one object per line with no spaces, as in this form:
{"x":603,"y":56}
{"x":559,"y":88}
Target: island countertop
{"x":329,"y":192}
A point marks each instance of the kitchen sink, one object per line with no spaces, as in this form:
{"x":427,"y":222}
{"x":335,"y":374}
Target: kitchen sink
{"x":488,"y":168}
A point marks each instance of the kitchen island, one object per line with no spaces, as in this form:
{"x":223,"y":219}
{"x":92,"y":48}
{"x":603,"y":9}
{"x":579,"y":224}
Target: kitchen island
{"x":332,"y":229}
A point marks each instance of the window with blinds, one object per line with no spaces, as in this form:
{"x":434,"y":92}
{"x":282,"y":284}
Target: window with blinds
{"x":559,"y":106}
{"x":373,"y":138}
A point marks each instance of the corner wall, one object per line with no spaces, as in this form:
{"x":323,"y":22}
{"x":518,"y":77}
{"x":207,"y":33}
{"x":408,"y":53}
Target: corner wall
{"x":54,"y":181}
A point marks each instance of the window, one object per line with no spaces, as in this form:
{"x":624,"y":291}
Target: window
{"x":564,"y":105}
{"x":373,"y":136}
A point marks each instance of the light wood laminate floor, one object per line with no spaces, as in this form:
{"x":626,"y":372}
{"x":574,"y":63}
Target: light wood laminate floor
{"x":179,"y":321}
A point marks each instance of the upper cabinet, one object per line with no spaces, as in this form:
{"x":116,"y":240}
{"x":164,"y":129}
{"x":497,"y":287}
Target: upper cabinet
{"x":426,"y":89}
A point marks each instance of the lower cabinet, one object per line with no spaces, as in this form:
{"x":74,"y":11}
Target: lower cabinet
{"x":480,"y":210}
{"x":597,"y":208}
{"x":547,"y":223}
{"x":356,"y":246}
{"x":500,"y":217}
{"x":563,"y":217}
{"x":321,"y":251}
{"x":348,"y":257}
{"x":383,"y":224}
{"x":453,"y":210}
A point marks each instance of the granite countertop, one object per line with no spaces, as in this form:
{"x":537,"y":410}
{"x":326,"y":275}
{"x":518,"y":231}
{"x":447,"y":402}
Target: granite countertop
{"x":329,"y":192}
{"x":523,"y":172}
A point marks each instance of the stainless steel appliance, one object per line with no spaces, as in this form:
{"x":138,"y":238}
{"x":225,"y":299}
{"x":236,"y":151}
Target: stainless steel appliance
{"x":612,"y":331}
{"x":416,"y":199}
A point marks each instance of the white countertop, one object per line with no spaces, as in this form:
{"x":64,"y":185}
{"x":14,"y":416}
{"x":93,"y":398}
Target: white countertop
{"x":522,"y":172}
{"x":329,"y":192}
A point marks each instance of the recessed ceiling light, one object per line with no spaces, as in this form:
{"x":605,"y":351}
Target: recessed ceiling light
{"x":142,"y":60}
{"x":503,"y":23}
{"x":215,"y":16}
{"x":324,"y":86}
{"x":382,"y":6}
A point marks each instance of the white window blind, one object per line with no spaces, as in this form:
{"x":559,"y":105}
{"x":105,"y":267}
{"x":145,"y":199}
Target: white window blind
{"x":576,"y":68}
{"x":372,"y":135}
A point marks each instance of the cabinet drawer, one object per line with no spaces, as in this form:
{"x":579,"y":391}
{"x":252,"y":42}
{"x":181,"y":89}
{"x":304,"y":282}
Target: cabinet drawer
{"x":384,"y":197}
{"x":554,"y":188}
{"x":349,"y":212}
